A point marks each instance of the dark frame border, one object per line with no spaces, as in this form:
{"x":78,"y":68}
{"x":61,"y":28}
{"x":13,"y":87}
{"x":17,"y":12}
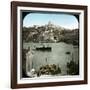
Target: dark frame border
{"x":14,"y":5}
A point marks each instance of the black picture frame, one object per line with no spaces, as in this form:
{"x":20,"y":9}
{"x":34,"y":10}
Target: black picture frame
{"x":14,"y":42}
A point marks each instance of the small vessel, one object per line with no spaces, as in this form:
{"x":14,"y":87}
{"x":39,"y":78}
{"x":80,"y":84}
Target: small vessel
{"x":68,"y":52}
{"x":43,"y":48}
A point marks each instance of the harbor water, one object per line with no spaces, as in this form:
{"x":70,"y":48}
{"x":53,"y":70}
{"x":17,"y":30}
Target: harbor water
{"x":58,"y":55}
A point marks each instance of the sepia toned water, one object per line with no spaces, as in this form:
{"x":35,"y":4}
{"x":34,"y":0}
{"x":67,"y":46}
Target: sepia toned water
{"x":56,"y":56}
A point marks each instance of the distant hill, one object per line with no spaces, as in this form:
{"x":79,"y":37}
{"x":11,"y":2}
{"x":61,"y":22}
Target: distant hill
{"x":50,"y":34}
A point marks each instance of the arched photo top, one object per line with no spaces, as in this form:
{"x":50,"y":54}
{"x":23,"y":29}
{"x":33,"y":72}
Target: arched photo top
{"x":65,"y":20}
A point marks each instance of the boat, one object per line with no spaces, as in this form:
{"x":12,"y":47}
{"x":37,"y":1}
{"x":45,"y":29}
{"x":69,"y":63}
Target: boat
{"x":43,"y":48}
{"x":68,"y":52}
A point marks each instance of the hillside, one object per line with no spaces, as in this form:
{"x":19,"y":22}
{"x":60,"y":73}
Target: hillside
{"x":50,"y":34}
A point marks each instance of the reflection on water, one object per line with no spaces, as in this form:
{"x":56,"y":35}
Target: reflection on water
{"x":60,"y":54}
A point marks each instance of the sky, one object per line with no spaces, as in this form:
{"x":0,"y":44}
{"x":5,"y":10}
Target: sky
{"x":64,"y":20}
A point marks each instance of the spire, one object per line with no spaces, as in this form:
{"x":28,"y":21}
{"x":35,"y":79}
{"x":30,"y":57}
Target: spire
{"x":50,"y":24}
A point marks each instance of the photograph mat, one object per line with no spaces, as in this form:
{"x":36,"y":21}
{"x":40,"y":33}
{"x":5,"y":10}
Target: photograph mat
{"x":81,"y":48}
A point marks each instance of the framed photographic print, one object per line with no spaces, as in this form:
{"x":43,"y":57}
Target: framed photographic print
{"x":48,"y":44}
